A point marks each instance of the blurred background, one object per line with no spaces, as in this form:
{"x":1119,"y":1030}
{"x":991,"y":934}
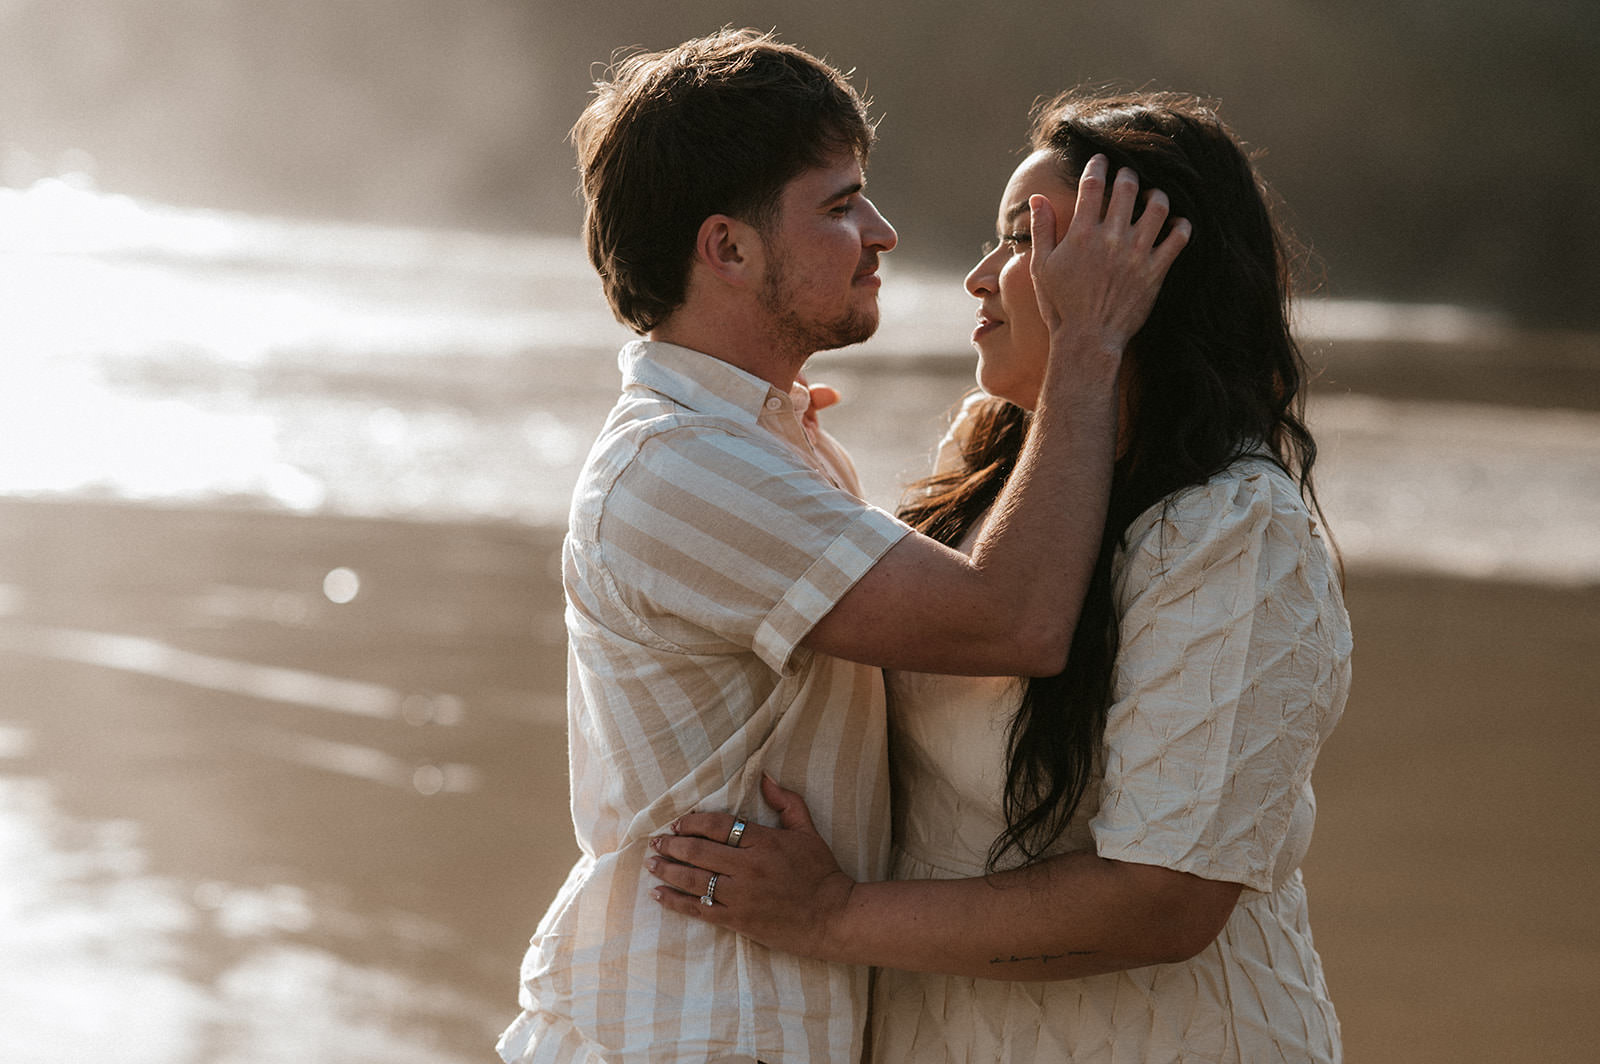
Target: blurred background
{"x":299,"y":357}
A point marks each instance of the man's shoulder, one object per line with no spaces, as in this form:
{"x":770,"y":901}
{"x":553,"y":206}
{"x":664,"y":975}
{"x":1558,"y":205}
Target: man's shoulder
{"x":655,"y":456}
{"x":646,"y":415}
{"x":652,"y":430}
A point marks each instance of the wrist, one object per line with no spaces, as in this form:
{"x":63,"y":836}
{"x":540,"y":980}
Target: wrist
{"x":834,"y":940}
{"x":1065,"y":339}
{"x":1083,"y":366}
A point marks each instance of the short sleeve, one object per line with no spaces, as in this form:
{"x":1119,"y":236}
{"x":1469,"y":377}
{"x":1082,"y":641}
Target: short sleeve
{"x":718,"y":542}
{"x":1231,"y":671}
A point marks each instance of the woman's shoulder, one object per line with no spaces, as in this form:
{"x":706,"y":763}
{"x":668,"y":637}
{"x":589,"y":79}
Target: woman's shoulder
{"x":1250,"y":501}
{"x":947,"y":456}
{"x":1239,"y":535}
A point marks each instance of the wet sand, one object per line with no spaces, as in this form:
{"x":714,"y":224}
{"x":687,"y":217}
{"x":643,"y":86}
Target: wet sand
{"x":244,"y":822}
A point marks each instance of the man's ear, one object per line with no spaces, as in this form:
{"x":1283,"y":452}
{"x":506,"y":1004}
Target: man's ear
{"x":730,"y":249}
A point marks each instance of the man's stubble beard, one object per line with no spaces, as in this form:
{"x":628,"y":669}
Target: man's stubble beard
{"x":777,"y":299}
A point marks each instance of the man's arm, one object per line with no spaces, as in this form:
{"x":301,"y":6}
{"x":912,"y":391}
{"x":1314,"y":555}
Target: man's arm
{"x":1011,"y":608}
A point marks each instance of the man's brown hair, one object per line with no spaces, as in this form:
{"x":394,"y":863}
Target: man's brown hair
{"x":717,"y":125}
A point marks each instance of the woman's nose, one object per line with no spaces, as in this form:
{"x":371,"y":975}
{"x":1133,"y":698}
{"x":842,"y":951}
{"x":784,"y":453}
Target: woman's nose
{"x":982,"y":278}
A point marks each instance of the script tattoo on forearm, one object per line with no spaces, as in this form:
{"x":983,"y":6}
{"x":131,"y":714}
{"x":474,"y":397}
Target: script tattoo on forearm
{"x":1043,"y":958}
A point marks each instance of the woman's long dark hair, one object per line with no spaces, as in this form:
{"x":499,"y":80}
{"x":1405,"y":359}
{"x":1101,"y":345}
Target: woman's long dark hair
{"x":1215,"y":374}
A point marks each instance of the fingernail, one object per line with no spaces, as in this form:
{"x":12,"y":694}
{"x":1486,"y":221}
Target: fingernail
{"x":655,"y":842}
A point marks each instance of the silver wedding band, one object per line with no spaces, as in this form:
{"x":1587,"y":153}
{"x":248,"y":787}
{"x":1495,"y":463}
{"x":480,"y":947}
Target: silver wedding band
{"x":710,"y":896}
{"x":737,"y":833}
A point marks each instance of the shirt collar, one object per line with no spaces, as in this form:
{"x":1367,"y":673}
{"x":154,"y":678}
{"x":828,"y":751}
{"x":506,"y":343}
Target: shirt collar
{"x":705,"y":384}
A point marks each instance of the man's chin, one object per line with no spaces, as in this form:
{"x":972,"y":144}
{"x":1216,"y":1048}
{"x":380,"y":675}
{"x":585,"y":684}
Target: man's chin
{"x":857,"y":330}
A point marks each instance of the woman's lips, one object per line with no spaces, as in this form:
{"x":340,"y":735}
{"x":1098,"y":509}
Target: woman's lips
{"x":984,"y":327}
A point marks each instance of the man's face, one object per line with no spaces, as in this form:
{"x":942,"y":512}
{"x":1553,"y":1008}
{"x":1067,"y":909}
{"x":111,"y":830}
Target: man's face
{"x":822,"y":248}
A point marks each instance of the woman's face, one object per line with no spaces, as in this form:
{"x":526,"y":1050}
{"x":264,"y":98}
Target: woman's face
{"x":1012,"y":340}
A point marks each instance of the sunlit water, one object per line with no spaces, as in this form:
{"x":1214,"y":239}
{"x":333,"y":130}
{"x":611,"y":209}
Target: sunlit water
{"x":156,"y":353}
{"x":100,"y":953}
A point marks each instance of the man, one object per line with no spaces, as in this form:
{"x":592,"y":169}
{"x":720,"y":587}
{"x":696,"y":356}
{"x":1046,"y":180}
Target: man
{"x":730,"y":598}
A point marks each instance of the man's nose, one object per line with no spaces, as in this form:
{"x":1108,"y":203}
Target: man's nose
{"x":878,"y":233}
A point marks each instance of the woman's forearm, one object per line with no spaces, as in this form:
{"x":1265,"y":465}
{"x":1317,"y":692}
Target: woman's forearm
{"x":1065,"y":917}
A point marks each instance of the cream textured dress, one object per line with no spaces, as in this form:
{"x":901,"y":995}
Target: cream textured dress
{"x":1232,"y":671}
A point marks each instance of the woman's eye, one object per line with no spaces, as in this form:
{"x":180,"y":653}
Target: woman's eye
{"x":1017,"y":241}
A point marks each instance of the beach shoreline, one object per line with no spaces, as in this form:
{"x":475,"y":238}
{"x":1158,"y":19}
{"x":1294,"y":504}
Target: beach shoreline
{"x":419,"y":811}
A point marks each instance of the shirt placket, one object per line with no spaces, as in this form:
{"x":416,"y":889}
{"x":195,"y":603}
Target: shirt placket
{"x":780,"y":417}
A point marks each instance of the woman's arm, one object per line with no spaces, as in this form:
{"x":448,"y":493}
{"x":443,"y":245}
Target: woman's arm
{"x":1064,"y":917}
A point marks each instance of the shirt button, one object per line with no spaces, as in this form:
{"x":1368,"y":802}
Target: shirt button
{"x":774,"y":403}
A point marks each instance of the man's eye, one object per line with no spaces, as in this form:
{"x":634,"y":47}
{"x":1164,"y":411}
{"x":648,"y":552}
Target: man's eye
{"x":1017,"y":241}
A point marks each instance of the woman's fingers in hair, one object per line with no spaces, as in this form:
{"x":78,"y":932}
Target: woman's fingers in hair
{"x":1153,"y":210}
{"x":1091,"y":191}
{"x":1042,"y":227}
{"x":1173,"y":239}
{"x":1147,"y":211}
{"x":1124,"y":198}
{"x":1157,"y":227}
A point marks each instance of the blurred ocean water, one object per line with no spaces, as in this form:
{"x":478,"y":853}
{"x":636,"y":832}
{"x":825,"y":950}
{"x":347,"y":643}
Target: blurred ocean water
{"x":183,"y":356}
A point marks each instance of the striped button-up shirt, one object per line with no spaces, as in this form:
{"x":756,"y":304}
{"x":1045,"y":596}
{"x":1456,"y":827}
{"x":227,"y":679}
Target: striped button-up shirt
{"x":707,"y":536}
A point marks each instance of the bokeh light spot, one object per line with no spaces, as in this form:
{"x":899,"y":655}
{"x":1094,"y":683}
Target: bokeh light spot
{"x":341,"y":585}
{"x":428,"y":780}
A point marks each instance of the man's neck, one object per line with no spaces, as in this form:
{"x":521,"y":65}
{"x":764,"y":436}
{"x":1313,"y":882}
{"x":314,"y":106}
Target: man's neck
{"x":757,"y":355}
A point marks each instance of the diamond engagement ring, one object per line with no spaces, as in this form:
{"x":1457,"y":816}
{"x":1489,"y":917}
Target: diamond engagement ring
{"x":737,"y":833}
{"x":710,"y":896}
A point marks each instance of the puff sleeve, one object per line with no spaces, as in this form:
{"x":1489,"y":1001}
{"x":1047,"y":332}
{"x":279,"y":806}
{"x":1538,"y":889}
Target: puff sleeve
{"x":1232,"y":670}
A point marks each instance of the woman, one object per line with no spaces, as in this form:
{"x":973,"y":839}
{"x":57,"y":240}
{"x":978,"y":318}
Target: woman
{"x":1104,"y":865}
